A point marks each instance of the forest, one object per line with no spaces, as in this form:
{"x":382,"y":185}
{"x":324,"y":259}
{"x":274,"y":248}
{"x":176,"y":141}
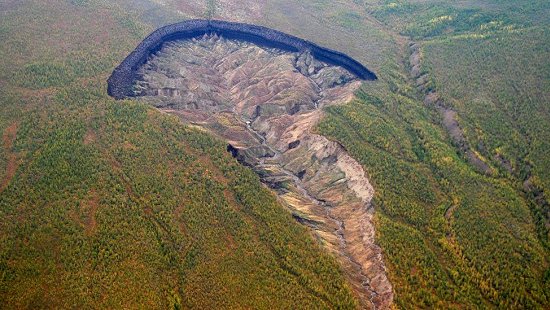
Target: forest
{"x":112,"y":204}
{"x":115,"y":205}
{"x":452,"y":234}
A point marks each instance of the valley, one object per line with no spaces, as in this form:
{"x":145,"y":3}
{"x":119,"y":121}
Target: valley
{"x":266,"y":102}
{"x":237,"y":175}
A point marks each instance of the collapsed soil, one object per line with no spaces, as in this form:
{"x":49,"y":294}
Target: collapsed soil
{"x":266,"y":102}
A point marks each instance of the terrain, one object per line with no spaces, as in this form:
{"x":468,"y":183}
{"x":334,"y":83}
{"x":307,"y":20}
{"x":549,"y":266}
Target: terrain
{"x":110,"y":204}
{"x":453,"y":137}
{"x":120,"y":82}
{"x":265,"y":102}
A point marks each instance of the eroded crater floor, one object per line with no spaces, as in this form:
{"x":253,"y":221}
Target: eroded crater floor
{"x":265,"y":102}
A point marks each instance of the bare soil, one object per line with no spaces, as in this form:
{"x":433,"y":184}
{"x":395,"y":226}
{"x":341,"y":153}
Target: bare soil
{"x":266,"y":103}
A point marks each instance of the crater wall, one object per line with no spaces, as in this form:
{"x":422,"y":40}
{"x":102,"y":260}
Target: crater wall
{"x":265,"y":102}
{"x":120,"y":83}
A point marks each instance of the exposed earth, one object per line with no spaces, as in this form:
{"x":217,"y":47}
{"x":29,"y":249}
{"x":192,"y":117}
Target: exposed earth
{"x":266,"y":102}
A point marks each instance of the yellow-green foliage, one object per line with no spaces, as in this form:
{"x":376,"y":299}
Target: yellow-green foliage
{"x":451,"y":236}
{"x":501,"y":87}
{"x":115,"y":205}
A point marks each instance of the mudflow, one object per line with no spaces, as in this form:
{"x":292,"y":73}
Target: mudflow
{"x":265,"y":103}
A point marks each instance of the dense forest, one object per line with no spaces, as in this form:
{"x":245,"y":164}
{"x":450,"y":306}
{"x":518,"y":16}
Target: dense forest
{"x":115,"y":205}
{"x":110,"y":204}
{"x":454,"y":235}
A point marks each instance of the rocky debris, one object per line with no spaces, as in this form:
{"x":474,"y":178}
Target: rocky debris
{"x":120,"y":83}
{"x":265,"y":103}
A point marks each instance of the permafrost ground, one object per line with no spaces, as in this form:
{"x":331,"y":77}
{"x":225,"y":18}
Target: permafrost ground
{"x":266,"y":102}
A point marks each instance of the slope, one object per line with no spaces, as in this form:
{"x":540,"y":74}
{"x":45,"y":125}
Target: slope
{"x":115,"y":205}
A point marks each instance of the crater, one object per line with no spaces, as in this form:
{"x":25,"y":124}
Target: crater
{"x":121,"y":81}
{"x":264,"y":99}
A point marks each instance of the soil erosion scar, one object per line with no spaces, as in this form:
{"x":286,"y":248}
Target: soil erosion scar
{"x":265,"y":97}
{"x":121,"y":81}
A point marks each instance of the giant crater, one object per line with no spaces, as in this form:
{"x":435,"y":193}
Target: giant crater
{"x":263,"y":92}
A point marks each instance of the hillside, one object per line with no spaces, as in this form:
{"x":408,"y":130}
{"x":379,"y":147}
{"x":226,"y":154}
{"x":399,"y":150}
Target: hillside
{"x":265,"y":102}
{"x":115,"y":204}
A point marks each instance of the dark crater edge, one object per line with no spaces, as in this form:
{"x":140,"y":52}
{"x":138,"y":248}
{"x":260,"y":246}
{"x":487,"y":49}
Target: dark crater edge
{"x":121,"y":81}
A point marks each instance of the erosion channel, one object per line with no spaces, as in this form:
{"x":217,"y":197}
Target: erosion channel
{"x":265,"y":102}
